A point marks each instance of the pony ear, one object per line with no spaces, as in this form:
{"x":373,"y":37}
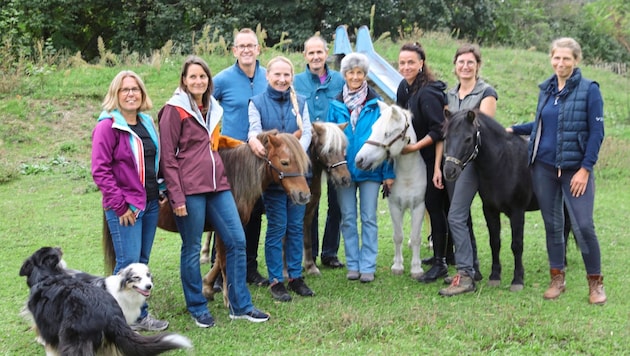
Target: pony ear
{"x":447,"y":113}
{"x":471,"y":115}
{"x":318,"y":128}
{"x":275,"y":141}
{"x":343,"y":126}
{"x":384,"y":108}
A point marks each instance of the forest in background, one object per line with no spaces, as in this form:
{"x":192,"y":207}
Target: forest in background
{"x":77,"y":28}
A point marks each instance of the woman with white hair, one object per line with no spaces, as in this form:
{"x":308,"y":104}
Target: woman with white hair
{"x":357,"y":105}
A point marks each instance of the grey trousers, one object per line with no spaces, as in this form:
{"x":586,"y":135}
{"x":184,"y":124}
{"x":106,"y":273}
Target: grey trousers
{"x":462,"y":193}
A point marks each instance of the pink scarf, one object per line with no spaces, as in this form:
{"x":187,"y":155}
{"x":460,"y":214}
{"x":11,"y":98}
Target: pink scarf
{"x":354,"y":100}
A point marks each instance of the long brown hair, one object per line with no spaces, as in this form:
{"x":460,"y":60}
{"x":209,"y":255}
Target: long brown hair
{"x":199,"y":61}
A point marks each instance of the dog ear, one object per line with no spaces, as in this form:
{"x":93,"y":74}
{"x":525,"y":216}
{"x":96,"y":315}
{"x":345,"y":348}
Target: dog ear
{"x":125,"y":275}
{"x":27,"y":268}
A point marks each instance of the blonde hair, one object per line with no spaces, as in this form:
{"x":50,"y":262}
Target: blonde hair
{"x":567,"y":42}
{"x":112,"y":102}
{"x":292,"y":93}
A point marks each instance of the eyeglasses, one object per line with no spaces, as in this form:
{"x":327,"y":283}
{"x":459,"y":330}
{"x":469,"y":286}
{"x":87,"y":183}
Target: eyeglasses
{"x":249,"y":47}
{"x":466,"y":63}
{"x":127,"y":91}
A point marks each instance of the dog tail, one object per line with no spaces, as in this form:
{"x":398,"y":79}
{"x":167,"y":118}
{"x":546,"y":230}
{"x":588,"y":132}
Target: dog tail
{"x":109,"y":255}
{"x":131,"y":343}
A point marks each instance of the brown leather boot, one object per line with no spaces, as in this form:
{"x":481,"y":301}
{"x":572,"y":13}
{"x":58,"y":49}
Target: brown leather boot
{"x":596,"y":294}
{"x":556,"y":286}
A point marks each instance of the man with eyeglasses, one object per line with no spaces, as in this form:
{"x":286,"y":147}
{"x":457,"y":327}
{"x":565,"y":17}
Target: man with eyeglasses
{"x":233,"y":87}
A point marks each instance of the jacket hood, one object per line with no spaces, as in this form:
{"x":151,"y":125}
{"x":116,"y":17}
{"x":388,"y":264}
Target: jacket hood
{"x":183,"y":100}
{"x":119,"y":120}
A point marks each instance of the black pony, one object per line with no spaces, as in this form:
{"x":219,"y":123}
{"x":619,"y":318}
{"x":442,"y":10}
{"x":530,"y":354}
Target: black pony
{"x":505,"y":184}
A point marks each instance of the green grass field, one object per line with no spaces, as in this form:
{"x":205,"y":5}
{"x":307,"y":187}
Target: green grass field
{"x":48,"y":199}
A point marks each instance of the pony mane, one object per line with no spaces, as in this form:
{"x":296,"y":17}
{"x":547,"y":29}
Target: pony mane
{"x":334,"y":139}
{"x":301,"y":158}
{"x":245,"y":173}
{"x":483,"y":121}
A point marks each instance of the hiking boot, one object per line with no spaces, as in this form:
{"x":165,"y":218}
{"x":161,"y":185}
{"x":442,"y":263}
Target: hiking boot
{"x":204,"y":320}
{"x":332,"y":262}
{"x":429,"y":260}
{"x":279,"y":292}
{"x":462,"y":283}
{"x":596,"y":294}
{"x":148,"y":323}
{"x":217,"y":287}
{"x":448,"y":280}
{"x":255,"y":316}
{"x":256,"y":279}
{"x":557,"y":285}
{"x":366,"y":277}
{"x":298,"y":286}
{"x":353,"y":275}
{"x":438,"y":270}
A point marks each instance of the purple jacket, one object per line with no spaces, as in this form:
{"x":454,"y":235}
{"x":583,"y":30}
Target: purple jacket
{"x":116,"y":151}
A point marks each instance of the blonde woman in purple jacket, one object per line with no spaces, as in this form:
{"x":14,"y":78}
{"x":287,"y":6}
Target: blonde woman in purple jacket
{"x":125,"y":160}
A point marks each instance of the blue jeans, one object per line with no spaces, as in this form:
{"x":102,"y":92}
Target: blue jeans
{"x":332,"y":237}
{"x":133,"y":243}
{"x":360,"y":255}
{"x":285,"y":220}
{"x":553,"y":193}
{"x":219,"y":208}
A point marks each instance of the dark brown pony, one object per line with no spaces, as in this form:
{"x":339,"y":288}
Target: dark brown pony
{"x":286,"y":164}
{"x":327,"y":153}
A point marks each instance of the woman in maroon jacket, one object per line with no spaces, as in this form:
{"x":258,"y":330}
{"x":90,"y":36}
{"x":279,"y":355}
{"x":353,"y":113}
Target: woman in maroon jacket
{"x":198,"y":190}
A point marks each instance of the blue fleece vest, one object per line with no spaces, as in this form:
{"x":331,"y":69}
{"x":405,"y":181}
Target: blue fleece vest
{"x":276,"y":110}
{"x":572,"y":134}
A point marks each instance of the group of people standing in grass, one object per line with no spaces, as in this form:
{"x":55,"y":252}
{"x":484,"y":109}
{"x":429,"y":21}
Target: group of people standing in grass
{"x":564,"y":141}
{"x":138,"y":169}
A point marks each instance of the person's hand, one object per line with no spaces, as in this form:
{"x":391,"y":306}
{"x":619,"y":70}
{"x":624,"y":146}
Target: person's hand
{"x":509,"y":130}
{"x":437,"y":179}
{"x":162,"y":199}
{"x":387,"y":184}
{"x":128,"y":218}
{"x":180,"y":210}
{"x":257,"y":147}
{"x":410,"y":148}
{"x":578,"y":182}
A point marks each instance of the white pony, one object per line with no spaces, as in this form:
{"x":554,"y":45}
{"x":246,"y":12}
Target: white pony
{"x":390,"y":133}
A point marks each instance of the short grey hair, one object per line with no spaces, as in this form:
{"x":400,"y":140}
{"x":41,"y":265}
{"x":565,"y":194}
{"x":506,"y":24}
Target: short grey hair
{"x":354,"y":60}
